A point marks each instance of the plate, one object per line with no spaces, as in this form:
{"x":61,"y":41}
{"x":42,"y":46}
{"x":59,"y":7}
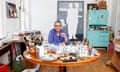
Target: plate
{"x":49,"y":57}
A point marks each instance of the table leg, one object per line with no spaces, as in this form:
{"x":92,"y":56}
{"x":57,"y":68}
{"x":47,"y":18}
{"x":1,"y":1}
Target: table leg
{"x":62,"y":69}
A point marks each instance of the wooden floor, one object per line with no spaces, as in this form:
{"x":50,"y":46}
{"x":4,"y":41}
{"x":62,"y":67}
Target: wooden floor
{"x":98,"y":66}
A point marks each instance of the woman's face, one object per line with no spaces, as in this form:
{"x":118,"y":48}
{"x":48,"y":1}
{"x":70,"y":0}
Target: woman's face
{"x":58,"y":26}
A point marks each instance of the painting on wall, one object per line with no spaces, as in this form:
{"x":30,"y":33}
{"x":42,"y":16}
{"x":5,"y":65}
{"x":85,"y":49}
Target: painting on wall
{"x":11,"y":10}
{"x":71,"y":14}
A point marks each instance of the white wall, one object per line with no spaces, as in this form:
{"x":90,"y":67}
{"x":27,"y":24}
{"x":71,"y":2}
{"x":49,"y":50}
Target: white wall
{"x":109,"y":8}
{"x":113,"y":19}
{"x":25,"y":15}
{"x":1,"y":29}
{"x":9,"y":25}
{"x":116,"y":14}
{"x":43,"y":14}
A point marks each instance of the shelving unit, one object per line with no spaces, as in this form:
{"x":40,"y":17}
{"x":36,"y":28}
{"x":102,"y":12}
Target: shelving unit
{"x":98,"y":31}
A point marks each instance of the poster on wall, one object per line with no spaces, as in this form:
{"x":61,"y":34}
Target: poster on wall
{"x":71,"y":14}
{"x":11,"y":10}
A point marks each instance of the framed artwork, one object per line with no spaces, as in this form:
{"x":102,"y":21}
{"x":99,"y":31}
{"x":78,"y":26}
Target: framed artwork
{"x":71,"y":14}
{"x":11,"y":10}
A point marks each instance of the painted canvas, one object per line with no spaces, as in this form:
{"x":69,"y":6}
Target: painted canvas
{"x":11,"y":10}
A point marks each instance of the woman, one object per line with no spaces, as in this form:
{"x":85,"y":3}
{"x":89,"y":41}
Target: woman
{"x":57,"y":35}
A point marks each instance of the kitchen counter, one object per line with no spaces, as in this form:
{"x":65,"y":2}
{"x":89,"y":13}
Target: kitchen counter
{"x":4,"y":48}
{"x":7,"y":45}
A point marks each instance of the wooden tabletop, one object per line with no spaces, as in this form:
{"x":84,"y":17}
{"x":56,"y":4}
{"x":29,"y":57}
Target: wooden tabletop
{"x":117,"y":41}
{"x":59,"y":62}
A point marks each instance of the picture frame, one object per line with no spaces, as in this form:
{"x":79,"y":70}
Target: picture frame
{"x":63,"y":8}
{"x":11,"y":10}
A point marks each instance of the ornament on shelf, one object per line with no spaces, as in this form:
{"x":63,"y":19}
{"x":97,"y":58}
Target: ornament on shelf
{"x":102,"y":4}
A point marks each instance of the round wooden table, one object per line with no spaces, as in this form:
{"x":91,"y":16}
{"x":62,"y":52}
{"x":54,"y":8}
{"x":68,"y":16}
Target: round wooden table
{"x":59,"y":62}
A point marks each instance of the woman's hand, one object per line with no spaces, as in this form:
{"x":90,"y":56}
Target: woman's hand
{"x":64,"y":36}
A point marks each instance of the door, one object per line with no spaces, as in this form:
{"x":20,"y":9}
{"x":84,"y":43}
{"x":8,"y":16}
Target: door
{"x":93,"y":17}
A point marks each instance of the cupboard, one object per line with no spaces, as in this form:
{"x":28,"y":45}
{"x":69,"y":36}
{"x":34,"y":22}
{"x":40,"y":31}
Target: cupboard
{"x":97,"y":31}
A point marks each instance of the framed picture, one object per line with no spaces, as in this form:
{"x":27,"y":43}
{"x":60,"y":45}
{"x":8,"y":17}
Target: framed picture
{"x":71,"y":14}
{"x":11,"y":10}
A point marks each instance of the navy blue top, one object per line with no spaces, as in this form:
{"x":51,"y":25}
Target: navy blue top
{"x":55,"y":39}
